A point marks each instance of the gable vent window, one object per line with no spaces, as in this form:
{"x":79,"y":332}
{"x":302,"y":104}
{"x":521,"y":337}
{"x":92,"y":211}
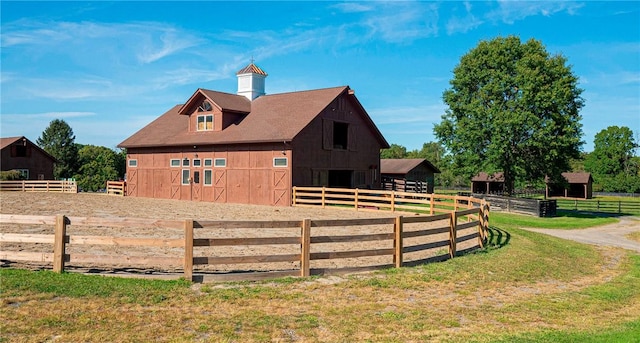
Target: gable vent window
{"x":340,"y":135}
{"x":205,"y":122}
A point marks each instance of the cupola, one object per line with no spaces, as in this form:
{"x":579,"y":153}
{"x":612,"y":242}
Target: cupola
{"x":251,"y":81}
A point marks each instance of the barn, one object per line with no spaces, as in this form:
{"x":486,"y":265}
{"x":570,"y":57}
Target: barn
{"x":251,"y":148}
{"x":403,"y":170}
{"x":19,"y":153}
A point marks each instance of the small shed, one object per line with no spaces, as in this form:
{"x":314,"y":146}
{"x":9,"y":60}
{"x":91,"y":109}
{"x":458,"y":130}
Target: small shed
{"x":484,"y":183}
{"x":579,"y":185}
{"x":19,"y":153}
{"x":409,"y":170}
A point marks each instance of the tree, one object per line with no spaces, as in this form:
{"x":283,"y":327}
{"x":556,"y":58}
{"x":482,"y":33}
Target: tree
{"x":98,"y":165}
{"x":612,"y":163}
{"x":512,"y":108}
{"x":58,"y":140}
{"x":394,"y":151}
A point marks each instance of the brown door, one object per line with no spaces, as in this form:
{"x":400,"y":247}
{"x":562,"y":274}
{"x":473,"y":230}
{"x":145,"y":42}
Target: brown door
{"x":220,"y":186}
{"x":196,"y":185}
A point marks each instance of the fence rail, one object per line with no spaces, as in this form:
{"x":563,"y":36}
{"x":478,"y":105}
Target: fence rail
{"x":39,"y":186}
{"x":604,"y":206}
{"x":389,"y":242}
{"x":404,"y":185}
{"x":364,"y":199}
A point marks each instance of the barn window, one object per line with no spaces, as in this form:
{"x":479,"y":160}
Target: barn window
{"x":207,"y":177}
{"x":185,"y":162}
{"x":196,"y":177}
{"x":340,"y":135}
{"x":133,"y":163}
{"x":21,"y":151}
{"x":196,"y":163}
{"x":208,"y":162}
{"x":220,"y":162}
{"x":279,"y":161}
{"x":205,"y":107}
{"x":175,"y":162}
{"x":185,"y":176}
{"x":24,"y":174}
{"x":205,"y":122}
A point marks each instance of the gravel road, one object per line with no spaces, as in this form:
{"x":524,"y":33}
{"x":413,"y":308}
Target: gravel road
{"x":606,"y":235}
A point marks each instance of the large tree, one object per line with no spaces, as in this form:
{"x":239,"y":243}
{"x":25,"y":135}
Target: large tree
{"x":612,"y":161}
{"x":513,"y":108}
{"x":59,"y":141}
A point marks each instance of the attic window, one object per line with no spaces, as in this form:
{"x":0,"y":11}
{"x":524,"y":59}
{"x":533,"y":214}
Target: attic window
{"x":205,"y":107}
{"x":205,"y":122}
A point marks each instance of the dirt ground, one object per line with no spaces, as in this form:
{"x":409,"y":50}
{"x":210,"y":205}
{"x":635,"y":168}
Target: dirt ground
{"x":101,"y":205}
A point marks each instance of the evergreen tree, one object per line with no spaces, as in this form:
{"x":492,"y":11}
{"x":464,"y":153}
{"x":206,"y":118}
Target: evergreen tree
{"x":59,"y":141}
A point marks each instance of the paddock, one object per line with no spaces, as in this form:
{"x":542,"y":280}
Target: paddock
{"x":227,"y":244}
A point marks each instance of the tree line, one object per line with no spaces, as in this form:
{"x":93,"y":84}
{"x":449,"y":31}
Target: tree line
{"x":90,"y":165}
{"x":514,"y":108}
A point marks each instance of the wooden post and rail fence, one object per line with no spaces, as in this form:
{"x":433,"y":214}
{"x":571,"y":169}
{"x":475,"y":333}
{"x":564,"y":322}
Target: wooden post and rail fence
{"x":393,"y":242}
{"x":61,"y":186}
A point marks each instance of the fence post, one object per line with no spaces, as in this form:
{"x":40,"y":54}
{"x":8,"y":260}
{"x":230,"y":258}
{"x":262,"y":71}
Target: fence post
{"x":598,"y":205}
{"x":453,"y":222}
{"x":305,"y":248}
{"x":432,"y":203}
{"x":481,"y":225}
{"x":188,"y":249}
{"x":355,"y":199}
{"x":619,"y":206}
{"x":23,"y":185}
{"x":59,"y":243}
{"x":323,"y":194}
{"x":397,"y":256}
{"x":393,"y":201}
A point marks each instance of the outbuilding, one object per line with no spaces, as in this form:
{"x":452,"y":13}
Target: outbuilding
{"x":578,"y":185}
{"x":33,"y":163}
{"x":417,"y":173}
{"x":252,"y":148}
{"x":484,"y":183}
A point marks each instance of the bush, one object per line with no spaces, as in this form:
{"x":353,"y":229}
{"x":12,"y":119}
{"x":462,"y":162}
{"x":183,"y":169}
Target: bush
{"x":10,"y":175}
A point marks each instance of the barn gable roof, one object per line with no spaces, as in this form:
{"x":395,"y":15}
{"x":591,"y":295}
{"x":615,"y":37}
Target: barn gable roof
{"x":225,"y":102}
{"x":575,"y":178}
{"x":270,"y":118}
{"x":404,"y":165}
{"x":8,"y":141}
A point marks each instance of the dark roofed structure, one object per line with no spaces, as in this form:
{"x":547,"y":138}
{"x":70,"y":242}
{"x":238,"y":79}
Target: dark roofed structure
{"x":19,"y":153}
{"x":485,"y":183}
{"x":579,"y":185}
{"x":409,"y":169}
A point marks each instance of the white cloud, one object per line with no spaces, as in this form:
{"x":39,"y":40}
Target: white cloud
{"x":398,"y":22}
{"x":353,"y":7}
{"x":512,"y":11}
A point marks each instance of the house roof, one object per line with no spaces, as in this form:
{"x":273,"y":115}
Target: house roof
{"x":7,"y":141}
{"x":223,"y":101}
{"x":484,"y":177}
{"x":270,"y":118}
{"x":403,"y":165}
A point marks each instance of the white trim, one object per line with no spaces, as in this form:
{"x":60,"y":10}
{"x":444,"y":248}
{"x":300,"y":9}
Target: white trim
{"x":286,"y":162}
{"x":205,"y":116}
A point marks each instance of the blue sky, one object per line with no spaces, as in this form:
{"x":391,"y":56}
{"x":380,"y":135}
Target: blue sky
{"x":109,"y":68}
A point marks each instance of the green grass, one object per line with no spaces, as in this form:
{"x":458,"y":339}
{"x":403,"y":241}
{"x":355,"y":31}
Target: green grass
{"x":18,"y":282}
{"x":523,"y":287}
{"x":564,"y":220}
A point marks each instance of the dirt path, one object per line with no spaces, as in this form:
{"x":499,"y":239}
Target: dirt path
{"x":606,"y":235}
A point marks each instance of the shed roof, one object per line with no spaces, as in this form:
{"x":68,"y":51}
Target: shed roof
{"x":270,"y":118}
{"x":484,"y":177}
{"x":577,"y":178}
{"x":404,"y":165}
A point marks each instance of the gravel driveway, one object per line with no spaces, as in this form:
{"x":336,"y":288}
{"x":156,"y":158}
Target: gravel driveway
{"x":606,"y":235}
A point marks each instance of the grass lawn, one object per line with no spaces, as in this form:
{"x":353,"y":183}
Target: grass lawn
{"x":524,"y":287}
